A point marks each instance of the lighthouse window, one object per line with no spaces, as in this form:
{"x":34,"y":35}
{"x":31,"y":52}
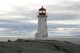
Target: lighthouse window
{"x":40,"y":11}
{"x":45,"y":20}
{"x":46,"y":35}
{"x":43,"y":36}
{"x":45,"y":27}
{"x":43,"y":11}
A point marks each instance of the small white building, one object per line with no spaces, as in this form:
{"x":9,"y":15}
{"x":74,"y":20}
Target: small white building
{"x":42,"y":33}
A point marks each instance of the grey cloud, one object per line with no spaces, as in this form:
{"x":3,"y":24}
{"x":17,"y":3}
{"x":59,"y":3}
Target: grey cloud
{"x":26,"y":14}
{"x":23,"y":13}
{"x":26,"y":29}
{"x":65,"y":6}
{"x":17,"y":25}
{"x":31,"y":26}
{"x":63,"y":26}
{"x":60,"y":12}
{"x":63,"y":16}
{"x":16,"y":28}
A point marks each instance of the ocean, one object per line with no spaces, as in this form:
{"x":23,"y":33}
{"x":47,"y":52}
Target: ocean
{"x":72,"y":39}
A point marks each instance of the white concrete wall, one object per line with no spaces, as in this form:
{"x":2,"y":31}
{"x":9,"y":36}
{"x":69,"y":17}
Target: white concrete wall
{"x":42,"y":28}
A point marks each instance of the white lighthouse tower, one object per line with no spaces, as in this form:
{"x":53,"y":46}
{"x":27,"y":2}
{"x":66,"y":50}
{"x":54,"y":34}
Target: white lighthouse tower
{"x":42,"y":33}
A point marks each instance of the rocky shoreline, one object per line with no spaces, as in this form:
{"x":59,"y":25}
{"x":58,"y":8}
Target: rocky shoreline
{"x":37,"y":46}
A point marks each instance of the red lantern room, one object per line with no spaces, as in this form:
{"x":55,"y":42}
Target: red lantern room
{"x":42,"y":11}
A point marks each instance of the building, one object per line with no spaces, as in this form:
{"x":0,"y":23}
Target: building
{"x":42,"y":33}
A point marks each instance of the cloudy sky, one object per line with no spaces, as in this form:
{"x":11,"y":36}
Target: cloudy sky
{"x":19,"y":17}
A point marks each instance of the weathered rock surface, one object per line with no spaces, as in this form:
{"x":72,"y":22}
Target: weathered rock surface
{"x":37,"y":47}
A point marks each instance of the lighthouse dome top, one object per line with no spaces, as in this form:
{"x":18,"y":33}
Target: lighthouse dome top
{"x":42,"y":8}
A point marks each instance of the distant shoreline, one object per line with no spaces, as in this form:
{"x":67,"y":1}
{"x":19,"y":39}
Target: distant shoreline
{"x":60,"y":38}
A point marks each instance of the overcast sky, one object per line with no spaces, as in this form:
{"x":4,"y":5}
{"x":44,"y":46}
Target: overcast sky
{"x":19,"y":17}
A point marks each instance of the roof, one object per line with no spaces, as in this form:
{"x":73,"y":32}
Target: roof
{"x":42,"y":8}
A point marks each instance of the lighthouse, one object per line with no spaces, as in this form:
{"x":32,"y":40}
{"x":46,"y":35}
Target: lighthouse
{"x":42,"y":33}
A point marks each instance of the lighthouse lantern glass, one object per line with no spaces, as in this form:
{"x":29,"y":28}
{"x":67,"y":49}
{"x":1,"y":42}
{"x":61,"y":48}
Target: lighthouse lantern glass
{"x":44,"y":11}
{"x":40,"y":11}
